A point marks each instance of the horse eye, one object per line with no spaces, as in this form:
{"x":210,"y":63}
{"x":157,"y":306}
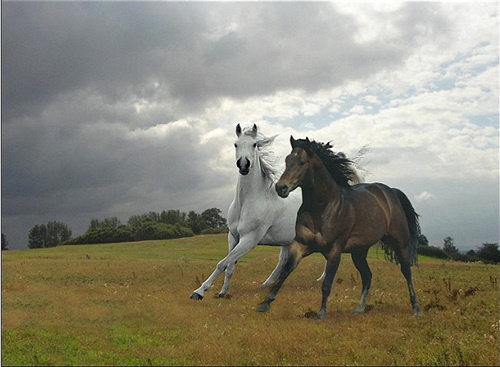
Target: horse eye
{"x":235,"y":145}
{"x":254,"y":145}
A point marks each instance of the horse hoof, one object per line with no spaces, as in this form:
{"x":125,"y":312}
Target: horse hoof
{"x":364,"y":309}
{"x":196,"y":296}
{"x":223,"y":295}
{"x":418,"y":312}
{"x":263,"y":307}
{"x":311,"y":315}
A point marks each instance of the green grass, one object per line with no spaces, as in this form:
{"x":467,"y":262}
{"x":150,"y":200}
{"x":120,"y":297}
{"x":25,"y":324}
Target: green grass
{"x":128,"y":304}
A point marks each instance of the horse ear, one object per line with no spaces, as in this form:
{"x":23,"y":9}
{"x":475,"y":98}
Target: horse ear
{"x":238,"y":130}
{"x":308,"y":147}
{"x":254,"y":130}
{"x":292,"y":141}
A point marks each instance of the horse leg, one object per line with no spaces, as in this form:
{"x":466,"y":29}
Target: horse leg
{"x":406,"y":270}
{"x":242,"y":248}
{"x":404,"y":259}
{"x":297,"y":252}
{"x":284,"y":255}
{"x":232,"y":242}
{"x":227,"y":279}
{"x":359,"y":260}
{"x":331,"y":268}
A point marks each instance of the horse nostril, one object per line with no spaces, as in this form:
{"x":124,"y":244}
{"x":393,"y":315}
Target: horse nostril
{"x":282,"y":190}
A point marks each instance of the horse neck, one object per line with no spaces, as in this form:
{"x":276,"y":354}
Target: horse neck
{"x":318,"y":187}
{"x":253,"y":183}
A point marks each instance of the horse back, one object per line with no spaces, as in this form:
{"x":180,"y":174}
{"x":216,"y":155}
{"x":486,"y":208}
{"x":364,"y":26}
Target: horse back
{"x":378,"y":207}
{"x":374,"y":196}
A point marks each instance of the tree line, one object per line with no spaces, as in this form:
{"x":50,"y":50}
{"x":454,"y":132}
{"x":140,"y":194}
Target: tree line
{"x":175,"y":223}
{"x":487,"y":252}
{"x":166,"y":224}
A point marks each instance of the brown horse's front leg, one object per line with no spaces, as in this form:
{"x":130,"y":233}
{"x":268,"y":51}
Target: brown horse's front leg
{"x":265,"y":305}
{"x":297,"y":252}
{"x":332,"y":266}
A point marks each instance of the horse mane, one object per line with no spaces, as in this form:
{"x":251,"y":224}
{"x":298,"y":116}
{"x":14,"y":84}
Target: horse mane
{"x":267,"y":158}
{"x":338,"y":166}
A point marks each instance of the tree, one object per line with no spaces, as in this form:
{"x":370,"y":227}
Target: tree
{"x":173,"y":217}
{"x":37,"y":236}
{"x":49,"y":235}
{"x":422,"y":240}
{"x":136,"y":220}
{"x":471,"y":253}
{"x":112,"y":222}
{"x":489,"y":252}
{"x":195,"y":222}
{"x":448,"y":245}
{"x":5,"y":243}
{"x":213,"y":219}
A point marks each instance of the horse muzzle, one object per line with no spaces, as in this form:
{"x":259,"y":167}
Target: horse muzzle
{"x":282,"y":190}
{"x":244,"y":166}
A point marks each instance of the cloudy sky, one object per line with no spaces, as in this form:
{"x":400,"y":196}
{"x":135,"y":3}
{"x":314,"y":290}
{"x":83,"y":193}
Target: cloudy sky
{"x":120,"y":108}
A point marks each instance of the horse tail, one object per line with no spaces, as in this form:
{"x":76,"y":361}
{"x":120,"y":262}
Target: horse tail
{"x":413,"y":225}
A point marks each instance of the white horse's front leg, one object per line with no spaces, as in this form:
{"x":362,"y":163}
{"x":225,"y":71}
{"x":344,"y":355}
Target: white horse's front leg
{"x":284,"y":254}
{"x":199,"y":293}
{"x":241,"y":249}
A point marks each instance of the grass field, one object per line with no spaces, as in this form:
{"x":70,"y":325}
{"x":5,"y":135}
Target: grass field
{"x":128,"y":304}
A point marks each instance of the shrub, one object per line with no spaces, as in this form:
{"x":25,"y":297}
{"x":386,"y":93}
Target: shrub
{"x":432,"y":252}
{"x":161,"y":231}
{"x":456,"y":256}
{"x":103,"y":235}
{"x":215,"y":230}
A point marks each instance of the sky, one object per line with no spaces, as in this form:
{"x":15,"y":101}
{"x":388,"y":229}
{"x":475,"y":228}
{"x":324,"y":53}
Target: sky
{"x":121,"y":108}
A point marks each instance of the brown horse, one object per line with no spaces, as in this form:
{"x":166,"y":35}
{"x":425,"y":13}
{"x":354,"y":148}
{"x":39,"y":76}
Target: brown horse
{"x":336,"y":217}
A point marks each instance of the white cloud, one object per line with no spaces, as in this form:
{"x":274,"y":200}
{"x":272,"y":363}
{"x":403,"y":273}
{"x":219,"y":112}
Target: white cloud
{"x":424,"y":196}
{"x":356,"y":110}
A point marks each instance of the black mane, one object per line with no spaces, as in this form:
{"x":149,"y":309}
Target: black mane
{"x":340,"y":168}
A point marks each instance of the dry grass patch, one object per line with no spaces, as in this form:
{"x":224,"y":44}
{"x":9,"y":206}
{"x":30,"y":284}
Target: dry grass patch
{"x":128,"y":304}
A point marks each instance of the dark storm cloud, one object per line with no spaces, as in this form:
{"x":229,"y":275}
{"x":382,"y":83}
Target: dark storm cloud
{"x":158,"y":51}
{"x":117,"y":49}
{"x":84,"y":84}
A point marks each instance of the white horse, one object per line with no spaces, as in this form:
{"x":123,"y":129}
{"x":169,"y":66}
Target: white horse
{"x":257,"y":215}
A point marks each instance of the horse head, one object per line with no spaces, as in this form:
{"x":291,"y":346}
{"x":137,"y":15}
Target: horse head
{"x":297,"y":164}
{"x":247,"y":147}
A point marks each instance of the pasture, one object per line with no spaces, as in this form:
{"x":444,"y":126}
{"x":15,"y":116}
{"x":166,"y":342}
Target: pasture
{"x":128,"y":304}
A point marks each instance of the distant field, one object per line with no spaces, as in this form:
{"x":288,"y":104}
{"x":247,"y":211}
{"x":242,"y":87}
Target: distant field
{"x":128,"y":304}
